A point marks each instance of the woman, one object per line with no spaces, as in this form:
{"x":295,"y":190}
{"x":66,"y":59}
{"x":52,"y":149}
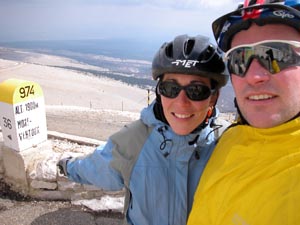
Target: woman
{"x":159,"y":158}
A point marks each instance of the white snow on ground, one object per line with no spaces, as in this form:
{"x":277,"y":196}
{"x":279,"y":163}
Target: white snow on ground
{"x":105,"y":203}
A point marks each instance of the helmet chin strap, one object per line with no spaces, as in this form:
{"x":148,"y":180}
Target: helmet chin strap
{"x":241,"y":119}
{"x":158,"y":109}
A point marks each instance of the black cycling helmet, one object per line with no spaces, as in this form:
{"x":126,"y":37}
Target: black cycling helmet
{"x":190,"y":55}
{"x":260,"y":12}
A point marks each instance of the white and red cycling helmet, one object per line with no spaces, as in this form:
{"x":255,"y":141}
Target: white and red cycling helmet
{"x":260,"y":12}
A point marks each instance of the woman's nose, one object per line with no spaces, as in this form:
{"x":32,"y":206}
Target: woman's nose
{"x":182,"y":97}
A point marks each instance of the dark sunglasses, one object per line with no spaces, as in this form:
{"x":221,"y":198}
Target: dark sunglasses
{"x":273,"y":55}
{"x":194,"y":91}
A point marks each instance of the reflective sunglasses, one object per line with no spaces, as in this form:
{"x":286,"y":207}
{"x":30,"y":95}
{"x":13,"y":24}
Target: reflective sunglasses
{"x":273,"y":55}
{"x":194,"y":91}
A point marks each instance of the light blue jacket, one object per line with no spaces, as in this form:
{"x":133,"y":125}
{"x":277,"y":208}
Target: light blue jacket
{"x":164,"y":178}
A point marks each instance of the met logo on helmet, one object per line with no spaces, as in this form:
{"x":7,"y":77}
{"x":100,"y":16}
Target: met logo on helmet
{"x":185,"y":63}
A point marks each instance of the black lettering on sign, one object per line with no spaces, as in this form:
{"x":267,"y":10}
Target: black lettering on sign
{"x":26,"y":91}
{"x":31,"y":106}
{"x":7,"y":123}
{"x":18,"y":109}
{"x":23,"y":123}
{"x":27,"y":134}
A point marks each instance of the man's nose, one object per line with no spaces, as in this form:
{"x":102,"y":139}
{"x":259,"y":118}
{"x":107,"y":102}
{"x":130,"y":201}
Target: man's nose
{"x":256,"y":73}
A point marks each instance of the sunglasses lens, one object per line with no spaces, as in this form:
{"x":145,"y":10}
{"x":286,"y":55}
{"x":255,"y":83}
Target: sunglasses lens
{"x":273,"y":56}
{"x":195,"y":92}
{"x":169,"y":89}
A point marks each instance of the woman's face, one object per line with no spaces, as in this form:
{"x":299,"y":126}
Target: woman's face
{"x":183,"y":114}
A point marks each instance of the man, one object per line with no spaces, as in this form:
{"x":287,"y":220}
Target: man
{"x":253,"y":175}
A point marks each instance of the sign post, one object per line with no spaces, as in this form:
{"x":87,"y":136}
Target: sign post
{"x":22,"y":114}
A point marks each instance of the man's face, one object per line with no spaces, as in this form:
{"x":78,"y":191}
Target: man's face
{"x":267,"y":100}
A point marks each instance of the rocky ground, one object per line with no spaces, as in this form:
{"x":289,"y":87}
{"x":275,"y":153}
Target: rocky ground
{"x":7,"y":193}
{"x":22,"y":210}
{"x":32,"y":211}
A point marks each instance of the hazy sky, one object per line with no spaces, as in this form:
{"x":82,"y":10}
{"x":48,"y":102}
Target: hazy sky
{"x":95,"y":19}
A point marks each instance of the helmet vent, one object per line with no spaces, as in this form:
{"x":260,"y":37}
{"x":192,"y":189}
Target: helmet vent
{"x":169,"y":50}
{"x":252,"y":2}
{"x":210,"y":50}
{"x":189,"y":45}
{"x":272,"y":1}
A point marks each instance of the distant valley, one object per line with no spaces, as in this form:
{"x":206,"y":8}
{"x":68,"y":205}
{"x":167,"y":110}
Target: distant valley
{"x":133,"y":70}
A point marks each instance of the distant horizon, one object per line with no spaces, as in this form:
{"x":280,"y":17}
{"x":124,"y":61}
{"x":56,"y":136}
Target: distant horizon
{"x":124,"y":48}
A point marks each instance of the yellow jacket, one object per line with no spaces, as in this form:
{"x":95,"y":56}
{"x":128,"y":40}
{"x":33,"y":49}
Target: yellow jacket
{"x":252,"y":178}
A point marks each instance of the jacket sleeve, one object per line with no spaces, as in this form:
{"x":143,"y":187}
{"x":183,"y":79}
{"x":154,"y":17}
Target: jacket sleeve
{"x":95,"y":169}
